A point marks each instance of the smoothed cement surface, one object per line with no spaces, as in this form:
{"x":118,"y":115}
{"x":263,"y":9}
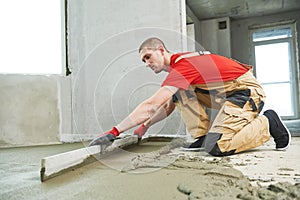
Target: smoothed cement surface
{"x":163,"y":175}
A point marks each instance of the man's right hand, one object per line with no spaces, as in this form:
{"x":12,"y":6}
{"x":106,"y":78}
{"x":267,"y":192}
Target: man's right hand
{"x":106,"y":138}
{"x":140,"y":131}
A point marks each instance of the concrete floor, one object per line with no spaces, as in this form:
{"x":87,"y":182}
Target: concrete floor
{"x":19,"y":174}
{"x":265,"y":166}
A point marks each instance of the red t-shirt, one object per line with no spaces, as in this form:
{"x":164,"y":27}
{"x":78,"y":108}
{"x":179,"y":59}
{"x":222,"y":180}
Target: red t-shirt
{"x":202,"y":69}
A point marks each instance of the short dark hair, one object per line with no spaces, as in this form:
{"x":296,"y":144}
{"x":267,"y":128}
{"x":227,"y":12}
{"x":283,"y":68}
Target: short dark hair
{"x":152,"y":42}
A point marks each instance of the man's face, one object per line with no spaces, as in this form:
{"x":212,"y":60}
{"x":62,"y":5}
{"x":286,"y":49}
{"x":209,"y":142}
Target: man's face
{"x":153,"y":58}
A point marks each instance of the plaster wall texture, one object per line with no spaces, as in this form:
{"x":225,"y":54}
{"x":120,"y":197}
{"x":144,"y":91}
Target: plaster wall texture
{"x":214,"y":39}
{"x":108,"y":78}
{"x":241,"y":38}
{"x":29,"y":112}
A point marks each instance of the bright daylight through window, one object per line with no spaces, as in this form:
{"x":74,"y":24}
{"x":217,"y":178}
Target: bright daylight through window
{"x":30,"y":37}
{"x":273,"y":50}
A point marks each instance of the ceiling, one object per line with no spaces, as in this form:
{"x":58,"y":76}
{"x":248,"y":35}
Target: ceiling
{"x":209,"y":9}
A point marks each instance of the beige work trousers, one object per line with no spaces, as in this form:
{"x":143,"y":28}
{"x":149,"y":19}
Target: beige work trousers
{"x":240,"y":127}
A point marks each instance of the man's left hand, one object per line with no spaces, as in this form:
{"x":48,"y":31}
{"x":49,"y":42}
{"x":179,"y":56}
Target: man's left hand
{"x":106,"y":138}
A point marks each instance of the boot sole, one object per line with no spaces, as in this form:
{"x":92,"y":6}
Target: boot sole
{"x":191,"y":149}
{"x":290,"y":137}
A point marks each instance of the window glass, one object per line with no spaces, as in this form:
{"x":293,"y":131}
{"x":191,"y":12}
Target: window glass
{"x":279,"y":98}
{"x":274,"y":68}
{"x":272,"y":62}
{"x":271,"y":34}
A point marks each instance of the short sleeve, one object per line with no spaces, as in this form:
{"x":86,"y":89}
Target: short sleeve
{"x":176,"y":79}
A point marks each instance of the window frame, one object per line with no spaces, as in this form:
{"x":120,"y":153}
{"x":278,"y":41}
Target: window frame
{"x":293,"y":66}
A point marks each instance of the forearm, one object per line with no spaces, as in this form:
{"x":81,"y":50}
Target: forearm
{"x":147,"y":109}
{"x":141,"y":114}
{"x":163,"y":112}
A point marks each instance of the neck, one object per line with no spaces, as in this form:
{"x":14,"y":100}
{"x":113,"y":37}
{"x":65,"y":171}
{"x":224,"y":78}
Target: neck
{"x":168,"y":58}
{"x":167,"y":61}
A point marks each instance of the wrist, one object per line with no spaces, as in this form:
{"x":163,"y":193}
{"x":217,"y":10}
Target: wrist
{"x":115,"y":131}
{"x":145,"y":126}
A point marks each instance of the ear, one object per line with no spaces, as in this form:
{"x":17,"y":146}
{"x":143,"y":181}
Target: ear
{"x":161,"y":49}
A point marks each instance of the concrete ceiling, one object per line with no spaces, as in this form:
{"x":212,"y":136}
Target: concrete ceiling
{"x":209,"y":9}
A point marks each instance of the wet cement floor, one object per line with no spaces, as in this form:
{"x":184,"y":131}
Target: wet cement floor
{"x":189,"y":176}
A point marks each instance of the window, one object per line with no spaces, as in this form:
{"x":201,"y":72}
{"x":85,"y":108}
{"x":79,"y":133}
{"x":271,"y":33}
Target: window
{"x":275,"y":67}
{"x":31,"y":37}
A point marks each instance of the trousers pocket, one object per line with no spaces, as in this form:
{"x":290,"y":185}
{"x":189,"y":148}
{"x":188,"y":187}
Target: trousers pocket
{"x":236,"y":118}
{"x":239,"y":98}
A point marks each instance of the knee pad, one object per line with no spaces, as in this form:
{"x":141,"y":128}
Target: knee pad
{"x":217,"y":152}
{"x":212,"y":147}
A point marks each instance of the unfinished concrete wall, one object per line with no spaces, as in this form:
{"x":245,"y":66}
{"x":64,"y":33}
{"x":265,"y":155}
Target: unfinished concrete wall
{"x":35,"y":109}
{"x":240,"y":40}
{"x":29,"y":110}
{"x":108,"y":78}
{"x":216,"y":38}
{"x":196,"y":27}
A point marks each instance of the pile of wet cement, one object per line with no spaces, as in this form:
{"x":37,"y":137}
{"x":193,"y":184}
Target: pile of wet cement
{"x":215,"y":180}
{"x":210,"y":178}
